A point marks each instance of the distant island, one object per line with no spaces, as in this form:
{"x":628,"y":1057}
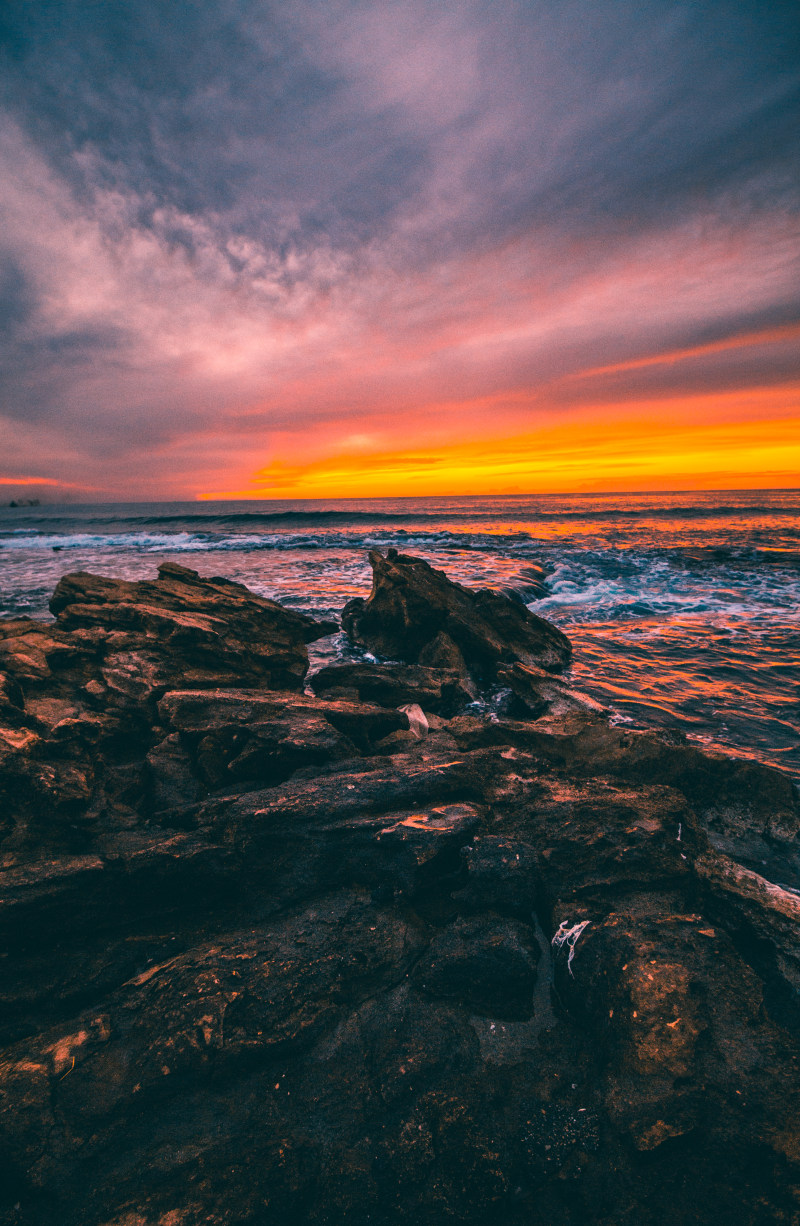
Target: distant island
{"x":24,"y":502}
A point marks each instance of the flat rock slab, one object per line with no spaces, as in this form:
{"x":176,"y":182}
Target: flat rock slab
{"x":203,"y":711}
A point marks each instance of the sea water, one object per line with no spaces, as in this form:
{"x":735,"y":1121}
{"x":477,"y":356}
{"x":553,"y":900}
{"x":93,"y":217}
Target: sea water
{"x":683,"y":609}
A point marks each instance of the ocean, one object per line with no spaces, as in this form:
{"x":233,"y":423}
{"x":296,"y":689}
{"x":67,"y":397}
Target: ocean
{"x":683,"y":609}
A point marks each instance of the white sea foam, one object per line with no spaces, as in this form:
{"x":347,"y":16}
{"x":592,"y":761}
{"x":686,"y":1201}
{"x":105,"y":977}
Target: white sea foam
{"x":683,"y":611}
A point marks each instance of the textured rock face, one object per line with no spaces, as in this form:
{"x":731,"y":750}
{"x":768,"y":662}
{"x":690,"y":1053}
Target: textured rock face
{"x":440,"y":690}
{"x":184,"y":629}
{"x":78,"y":699}
{"x":536,"y":692}
{"x":417,"y":614}
{"x":263,"y":961}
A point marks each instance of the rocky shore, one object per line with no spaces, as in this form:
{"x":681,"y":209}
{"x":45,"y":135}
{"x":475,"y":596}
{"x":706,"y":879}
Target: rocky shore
{"x":353,"y":949}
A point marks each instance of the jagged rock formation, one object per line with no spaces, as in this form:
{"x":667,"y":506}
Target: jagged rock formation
{"x":268,"y":958}
{"x":415,"y":613}
{"x":78,"y":698}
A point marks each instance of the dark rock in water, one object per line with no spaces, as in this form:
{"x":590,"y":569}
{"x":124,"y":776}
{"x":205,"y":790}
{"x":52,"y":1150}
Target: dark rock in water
{"x":266,"y":957}
{"x":441,"y":690}
{"x":538,"y":691}
{"x":414,"y":609}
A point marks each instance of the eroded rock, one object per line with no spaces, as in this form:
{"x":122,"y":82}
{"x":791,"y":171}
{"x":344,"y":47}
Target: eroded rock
{"x":441,"y":690}
{"x":415,"y":613}
{"x":183,"y":629}
{"x":268,"y":957}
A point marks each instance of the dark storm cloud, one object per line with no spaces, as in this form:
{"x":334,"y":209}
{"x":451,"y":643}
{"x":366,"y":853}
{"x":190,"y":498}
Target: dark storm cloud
{"x":209,"y":204}
{"x":16,"y":301}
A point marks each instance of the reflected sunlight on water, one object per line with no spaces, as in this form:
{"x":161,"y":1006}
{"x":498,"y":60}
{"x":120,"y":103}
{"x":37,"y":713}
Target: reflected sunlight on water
{"x":682,"y":608}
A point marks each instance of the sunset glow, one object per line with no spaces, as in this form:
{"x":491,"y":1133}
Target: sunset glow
{"x":584,"y":455}
{"x":484,"y":249}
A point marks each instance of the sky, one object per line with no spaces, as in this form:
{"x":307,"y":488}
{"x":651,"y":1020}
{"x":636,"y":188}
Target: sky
{"x":321,"y":248}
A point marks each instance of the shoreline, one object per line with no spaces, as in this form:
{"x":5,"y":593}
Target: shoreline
{"x":695,"y":616}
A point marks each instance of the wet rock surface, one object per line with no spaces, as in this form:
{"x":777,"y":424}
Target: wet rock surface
{"x":415,"y":613}
{"x":271,"y":957}
{"x":440,"y":690}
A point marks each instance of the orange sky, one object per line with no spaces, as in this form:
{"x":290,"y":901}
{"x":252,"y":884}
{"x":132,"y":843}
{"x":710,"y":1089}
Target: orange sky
{"x":675,"y":443}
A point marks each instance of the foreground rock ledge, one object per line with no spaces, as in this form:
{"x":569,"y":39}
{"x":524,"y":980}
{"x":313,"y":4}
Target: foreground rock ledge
{"x":269,"y":957}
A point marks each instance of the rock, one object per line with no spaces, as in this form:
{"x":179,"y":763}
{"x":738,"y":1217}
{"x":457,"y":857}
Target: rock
{"x":439,"y":690}
{"x":501,"y":876}
{"x":395,"y":825}
{"x":268,"y":957}
{"x":26,"y":649}
{"x":256,"y":996}
{"x":417,"y":614}
{"x":202,"y":711}
{"x":183,"y":628}
{"x":79,"y":925}
{"x":538,"y":692}
{"x":750,"y":810}
{"x":78,"y":698}
{"x":11,"y":698}
{"x":486,"y":964}
{"x":173,"y":775}
{"x":764,"y":917}
{"x":264,"y":737}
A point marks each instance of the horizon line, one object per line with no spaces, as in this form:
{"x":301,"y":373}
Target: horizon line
{"x":199,"y":498}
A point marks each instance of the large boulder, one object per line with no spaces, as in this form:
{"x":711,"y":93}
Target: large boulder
{"x":78,"y":701}
{"x":415,"y":613}
{"x":182,"y":629}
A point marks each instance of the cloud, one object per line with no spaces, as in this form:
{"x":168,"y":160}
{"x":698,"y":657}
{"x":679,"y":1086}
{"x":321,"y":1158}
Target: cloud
{"x":237,"y":227}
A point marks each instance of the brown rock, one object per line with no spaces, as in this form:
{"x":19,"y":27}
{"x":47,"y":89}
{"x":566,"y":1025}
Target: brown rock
{"x":411,"y":605}
{"x":264,"y":736}
{"x":486,"y":964}
{"x":183,"y":627}
{"x":511,"y":971}
{"x":440,"y":690}
{"x":539,"y":692}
